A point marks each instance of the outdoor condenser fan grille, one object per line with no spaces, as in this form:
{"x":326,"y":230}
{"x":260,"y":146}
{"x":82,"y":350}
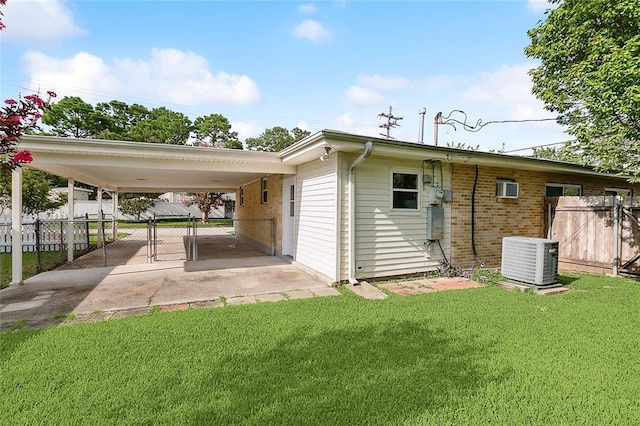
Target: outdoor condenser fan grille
{"x":531,"y":261}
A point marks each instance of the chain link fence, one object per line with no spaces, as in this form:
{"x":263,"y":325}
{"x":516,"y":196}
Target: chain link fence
{"x":46,"y":243}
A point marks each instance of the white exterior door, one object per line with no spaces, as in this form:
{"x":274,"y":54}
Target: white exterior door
{"x":288,"y":215}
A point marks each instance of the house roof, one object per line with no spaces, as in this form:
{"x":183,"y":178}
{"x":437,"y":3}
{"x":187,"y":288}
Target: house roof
{"x":147,"y":167}
{"x":313,"y":146}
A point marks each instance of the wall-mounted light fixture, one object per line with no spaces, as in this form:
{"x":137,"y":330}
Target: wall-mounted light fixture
{"x":325,"y":156}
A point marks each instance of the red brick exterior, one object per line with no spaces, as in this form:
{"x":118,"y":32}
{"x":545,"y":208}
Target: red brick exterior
{"x":251,"y":208}
{"x":496,"y":218}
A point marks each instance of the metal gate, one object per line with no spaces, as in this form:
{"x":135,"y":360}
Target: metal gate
{"x":171,"y":242}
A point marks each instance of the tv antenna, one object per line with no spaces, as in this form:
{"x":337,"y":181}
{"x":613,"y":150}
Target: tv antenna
{"x":392,"y":122}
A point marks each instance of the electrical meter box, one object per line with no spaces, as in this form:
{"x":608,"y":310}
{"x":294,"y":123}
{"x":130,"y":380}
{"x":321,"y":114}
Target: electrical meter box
{"x":435,"y":223}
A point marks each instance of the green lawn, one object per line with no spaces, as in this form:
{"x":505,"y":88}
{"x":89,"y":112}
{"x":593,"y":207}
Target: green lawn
{"x":460,"y":357}
{"x":50,"y":260}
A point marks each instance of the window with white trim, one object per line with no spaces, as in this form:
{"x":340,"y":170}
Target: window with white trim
{"x":507,"y":188}
{"x":292,"y":200}
{"x":405,"y":191}
{"x":621,"y":192}
{"x":263,"y":186}
{"x":563,"y":190}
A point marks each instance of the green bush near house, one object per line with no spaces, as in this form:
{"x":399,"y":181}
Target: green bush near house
{"x":481,"y":356}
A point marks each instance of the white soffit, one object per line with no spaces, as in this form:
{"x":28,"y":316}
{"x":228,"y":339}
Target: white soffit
{"x":144,"y":167}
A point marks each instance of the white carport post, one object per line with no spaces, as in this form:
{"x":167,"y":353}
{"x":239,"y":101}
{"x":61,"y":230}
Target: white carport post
{"x":114,"y":213}
{"x":16,"y":227}
{"x":71,"y":214}
{"x":99,"y":218}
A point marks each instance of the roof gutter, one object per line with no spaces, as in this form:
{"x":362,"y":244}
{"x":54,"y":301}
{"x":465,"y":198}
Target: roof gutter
{"x":368,"y":148}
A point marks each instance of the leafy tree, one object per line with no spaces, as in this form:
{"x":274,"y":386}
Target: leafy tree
{"x":462,"y":145}
{"x":135,"y":204}
{"x":590,"y":76}
{"x":205,"y":201}
{"x":36,"y":192}
{"x":214,"y":130}
{"x":275,"y":139}
{"x":122,"y":117}
{"x":162,"y":126}
{"x":566,"y":153}
{"x":73,"y":117}
{"x":299,"y":134}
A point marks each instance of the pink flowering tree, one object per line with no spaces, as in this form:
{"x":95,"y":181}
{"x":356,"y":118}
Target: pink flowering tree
{"x":2,"y":3}
{"x":18,"y":117}
{"x":205,"y":202}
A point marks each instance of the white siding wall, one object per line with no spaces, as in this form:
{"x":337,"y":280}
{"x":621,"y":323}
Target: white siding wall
{"x":316,"y":216}
{"x":389,"y":242}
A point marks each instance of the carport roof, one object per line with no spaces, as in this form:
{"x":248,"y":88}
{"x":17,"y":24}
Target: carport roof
{"x":148,"y":167}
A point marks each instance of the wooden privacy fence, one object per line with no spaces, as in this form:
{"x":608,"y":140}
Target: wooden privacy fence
{"x":596,"y":234}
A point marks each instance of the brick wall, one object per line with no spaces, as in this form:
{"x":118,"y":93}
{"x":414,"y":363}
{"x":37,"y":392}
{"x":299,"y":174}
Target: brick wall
{"x":496,"y":218}
{"x":259,"y":232}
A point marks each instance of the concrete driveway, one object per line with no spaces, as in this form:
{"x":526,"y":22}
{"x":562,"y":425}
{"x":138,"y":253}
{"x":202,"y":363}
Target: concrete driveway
{"x":48,"y":298}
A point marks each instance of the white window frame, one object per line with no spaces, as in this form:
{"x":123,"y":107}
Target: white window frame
{"x":418,"y":190}
{"x":563,"y":186}
{"x":619,"y":190}
{"x":264,"y":195}
{"x":501,"y":188}
{"x":292,"y":200}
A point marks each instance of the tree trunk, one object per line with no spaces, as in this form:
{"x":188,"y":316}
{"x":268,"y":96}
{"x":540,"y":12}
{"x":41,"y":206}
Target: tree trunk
{"x":205,"y":216}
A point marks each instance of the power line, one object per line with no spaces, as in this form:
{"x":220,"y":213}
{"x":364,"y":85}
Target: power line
{"x":537,"y":146}
{"x":479,"y":125}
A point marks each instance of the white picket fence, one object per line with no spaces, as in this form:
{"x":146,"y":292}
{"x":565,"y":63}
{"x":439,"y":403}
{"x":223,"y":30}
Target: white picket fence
{"x":50,"y":235}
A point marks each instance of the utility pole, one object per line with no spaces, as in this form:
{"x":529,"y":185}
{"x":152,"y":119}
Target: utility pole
{"x":391,"y":122}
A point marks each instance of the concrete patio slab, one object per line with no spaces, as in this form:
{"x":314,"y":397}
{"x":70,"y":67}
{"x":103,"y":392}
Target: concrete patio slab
{"x":135,"y":287}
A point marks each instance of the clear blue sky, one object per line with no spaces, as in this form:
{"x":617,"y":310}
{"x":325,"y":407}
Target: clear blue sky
{"x":316,"y":65}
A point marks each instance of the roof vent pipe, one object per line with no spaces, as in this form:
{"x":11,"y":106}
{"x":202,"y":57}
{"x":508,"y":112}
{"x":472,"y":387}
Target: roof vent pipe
{"x":422,"y":111}
{"x":368,"y":148}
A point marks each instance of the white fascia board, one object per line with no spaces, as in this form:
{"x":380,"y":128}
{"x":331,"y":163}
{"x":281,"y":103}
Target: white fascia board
{"x":67,"y":151}
{"x":346,"y":142}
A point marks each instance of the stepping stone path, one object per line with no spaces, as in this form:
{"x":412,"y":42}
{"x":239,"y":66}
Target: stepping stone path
{"x":422,"y":286}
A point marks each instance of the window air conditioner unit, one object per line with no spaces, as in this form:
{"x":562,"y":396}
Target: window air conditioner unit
{"x":506,"y":189}
{"x":532,"y":261}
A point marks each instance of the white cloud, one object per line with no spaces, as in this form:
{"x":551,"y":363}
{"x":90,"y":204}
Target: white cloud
{"x":168,"y":76}
{"x":307,"y":8}
{"x":245,"y":130}
{"x":38,"y":21}
{"x":347,"y":122}
{"x":312,"y":30}
{"x":539,"y":5}
{"x":510,"y":85}
{"x":380,"y":82}
{"x":362,"y":96}
{"x":302,"y":125}
{"x":368,"y":88}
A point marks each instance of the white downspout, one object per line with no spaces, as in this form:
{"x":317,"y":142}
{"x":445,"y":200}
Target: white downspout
{"x":368,"y":148}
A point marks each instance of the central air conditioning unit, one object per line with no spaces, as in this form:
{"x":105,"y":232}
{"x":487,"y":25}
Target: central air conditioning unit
{"x":532,"y":261}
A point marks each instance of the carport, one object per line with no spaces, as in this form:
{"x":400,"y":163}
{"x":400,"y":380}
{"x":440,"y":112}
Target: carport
{"x":119,"y":166}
